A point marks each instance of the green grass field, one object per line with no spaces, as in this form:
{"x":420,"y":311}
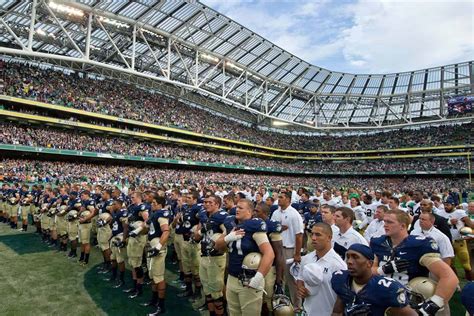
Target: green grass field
{"x":35,"y":280}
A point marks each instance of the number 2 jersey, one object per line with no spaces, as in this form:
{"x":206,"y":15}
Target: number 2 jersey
{"x":379,"y":294}
{"x":420,"y":251}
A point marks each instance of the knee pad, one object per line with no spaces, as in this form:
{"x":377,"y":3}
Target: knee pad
{"x":139,"y":272}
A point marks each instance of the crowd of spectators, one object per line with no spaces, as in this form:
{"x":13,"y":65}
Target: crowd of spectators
{"x":128,"y":101}
{"x":37,"y":136}
{"x":21,"y":170}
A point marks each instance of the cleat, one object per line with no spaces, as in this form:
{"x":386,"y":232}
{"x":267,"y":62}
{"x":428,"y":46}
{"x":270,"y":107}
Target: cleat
{"x":130,"y":290}
{"x":118,"y":285}
{"x":135,"y":295}
{"x":185,"y":294}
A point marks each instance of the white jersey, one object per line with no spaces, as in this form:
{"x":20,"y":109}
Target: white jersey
{"x":375,"y":229}
{"x":457,"y":214}
{"x":359,"y":213}
{"x":347,"y":239}
{"x":369,"y":214}
{"x":445,"y":247}
{"x":322,"y":297}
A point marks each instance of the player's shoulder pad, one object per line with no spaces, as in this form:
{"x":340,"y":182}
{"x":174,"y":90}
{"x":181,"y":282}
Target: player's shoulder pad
{"x":163,"y":213}
{"x":220,"y":216}
{"x":389,"y":290}
{"x":255,"y":225}
{"x":339,"y":280}
{"x":229,"y":222}
{"x":273,"y":226}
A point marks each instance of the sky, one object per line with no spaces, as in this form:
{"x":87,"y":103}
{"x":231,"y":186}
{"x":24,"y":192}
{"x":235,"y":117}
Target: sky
{"x":361,"y":36}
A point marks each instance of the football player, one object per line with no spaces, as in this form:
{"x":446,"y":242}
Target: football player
{"x":404,"y":257}
{"x":310,"y":218}
{"x":136,"y":240}
{"x":359,"y":292}
{"x":74,"y":206}
{"x":250,"y":259}
{"x":274,"y":277}
{"x":61,"y":222}
{"x":104,"y":231}
{"x":213,"y":262}
{"x":189,"y":250}
{"x":26,"y":202}
{"x":158,"y":234}
{"x":457,"y":219}
{"x":117,"y":242}
{"x":87,"y":212}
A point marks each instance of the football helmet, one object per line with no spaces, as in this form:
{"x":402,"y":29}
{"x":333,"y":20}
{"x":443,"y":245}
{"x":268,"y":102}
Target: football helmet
{"x":104,"y":219}
{"x":250,"y":266}
{"x":465,"y":231}
{"x":62,"y":210}
{"x":85,"y":213}
{"x":117,"y":241}
{"x":12,"y":200}
{"x":72,"y":215}
{"x":282,"y":305}
{"x":420,"y":289}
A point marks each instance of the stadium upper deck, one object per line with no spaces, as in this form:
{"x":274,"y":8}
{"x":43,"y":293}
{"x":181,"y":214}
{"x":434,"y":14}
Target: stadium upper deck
{"x":188,"y":50}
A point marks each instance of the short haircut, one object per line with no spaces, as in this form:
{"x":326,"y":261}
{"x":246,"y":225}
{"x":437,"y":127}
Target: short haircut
{"x":287,"y":194}
{"x":216,"y":199}
{"x":430,"y":215}
{"x":331,"y":208}
{"x":387,"y":194}
{"x":264,"y":208}
{"x":346,"y":213}
{"x":395,"y":199}
{"x":194,"y":195}
{"x":435,"y":198}
{"x":159,"y":199}
{"x":402,"y":217}
{"x":249,"y":204}
{"x":325,"y":227}
{"x":384,"y":208}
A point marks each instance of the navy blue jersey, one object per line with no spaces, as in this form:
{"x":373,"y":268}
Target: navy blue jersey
{"x":117,"y":226}
{"x":302,"y":207}
{"x":411,"y":248}
{"x":272,"y":226}
{"x":73,"y":202}
{"x":202,"y":214}
{"x":64,"y":199}
{"x":87,"y":203}
{"x":310,"y":219}
{"x":135,"y":212}
{"x":190,"y":219}
{"x":379,"y":294}
{"x":467,"y":297}
{"x":51,"y":201}
{"x":210,"y":227}
{"x":154,"y":230}
{"x":242,"y":247}
{"x":104,"y":205}
{"x":232,"y":211}
{"x":273,"y":208}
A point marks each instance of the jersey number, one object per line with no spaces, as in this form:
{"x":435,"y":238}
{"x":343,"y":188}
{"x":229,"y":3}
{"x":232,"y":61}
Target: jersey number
{"x":384,"y":282}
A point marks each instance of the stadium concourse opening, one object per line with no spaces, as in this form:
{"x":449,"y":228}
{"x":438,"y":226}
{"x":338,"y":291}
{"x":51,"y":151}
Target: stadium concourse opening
{"x":159,"y":158}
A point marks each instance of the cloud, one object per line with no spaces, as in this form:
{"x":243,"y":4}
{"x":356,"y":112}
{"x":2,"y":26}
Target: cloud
{"x":390,"y":36}
{"x":376,"y":36}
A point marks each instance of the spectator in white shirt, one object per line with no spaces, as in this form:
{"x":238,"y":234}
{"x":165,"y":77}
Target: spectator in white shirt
{"x":315,"y":274}
{"x":292,"y":237}
{"x":426,"y":221}
{"x":347,"y":236}
{"x":375,"y":228}
{"x":327,"y":214}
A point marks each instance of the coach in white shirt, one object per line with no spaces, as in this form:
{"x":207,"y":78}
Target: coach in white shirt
{"x":317,"y":267}
{"x":375,"y":228}
{"x":426,"y":228}
{"x":347,"y":236}
{"x":292,"y":238}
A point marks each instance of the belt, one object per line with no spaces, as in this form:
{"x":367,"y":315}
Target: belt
{"x":288,"y":247}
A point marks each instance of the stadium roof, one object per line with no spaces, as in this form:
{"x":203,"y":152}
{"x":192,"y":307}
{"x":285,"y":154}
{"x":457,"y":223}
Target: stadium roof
{"x":191,"y":46}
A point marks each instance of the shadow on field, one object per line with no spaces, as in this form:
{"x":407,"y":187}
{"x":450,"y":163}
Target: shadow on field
{"x":115,"y":302}
{"x":24,"y":243}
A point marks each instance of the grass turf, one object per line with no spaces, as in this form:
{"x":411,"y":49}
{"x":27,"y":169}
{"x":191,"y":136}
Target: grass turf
{"x":36,"y":280}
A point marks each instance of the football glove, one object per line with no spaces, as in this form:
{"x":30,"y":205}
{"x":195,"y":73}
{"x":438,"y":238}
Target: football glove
{"x":257,"y":282}
{"x":431,"y":306}
{"x":393,"y":266}
{"x":278,"y":290}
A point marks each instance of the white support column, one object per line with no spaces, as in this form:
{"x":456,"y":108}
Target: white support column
{"x":134,"y":43}
{"x":163,"y":72}
{"x":113,"y":44}
{"x":168,"y":71}
{"x":88,"y":35}
{"x":32,"y":25}
{"x":9,"y":30}
{"x":196,"y":69}
{"x":223,"y":78}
